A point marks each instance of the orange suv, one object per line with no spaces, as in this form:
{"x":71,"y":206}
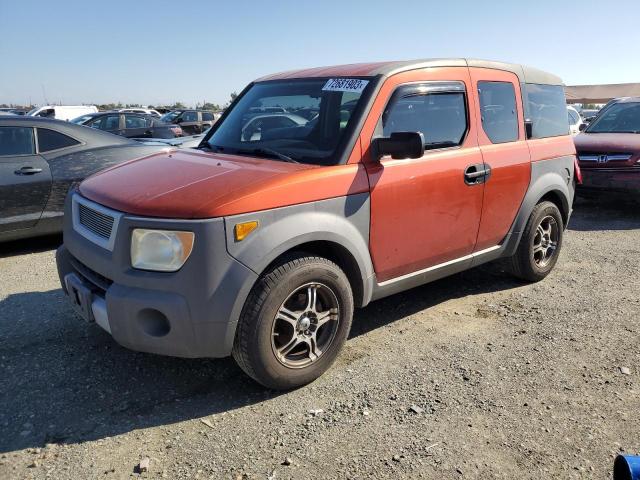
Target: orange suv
{"x":358,"y":182}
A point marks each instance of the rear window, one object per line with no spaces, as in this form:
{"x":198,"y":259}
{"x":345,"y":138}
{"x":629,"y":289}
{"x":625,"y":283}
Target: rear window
{"x":49,"y":140}
{"x":16,"y":141}
{"x":546,"y":108}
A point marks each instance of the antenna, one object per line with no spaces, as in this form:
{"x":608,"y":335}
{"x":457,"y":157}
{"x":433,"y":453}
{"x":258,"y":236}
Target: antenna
{"x":44,"y":94}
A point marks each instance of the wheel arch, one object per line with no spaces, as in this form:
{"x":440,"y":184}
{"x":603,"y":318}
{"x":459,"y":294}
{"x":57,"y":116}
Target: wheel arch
{"x":336,"y":229}
{"x":551,"y":180}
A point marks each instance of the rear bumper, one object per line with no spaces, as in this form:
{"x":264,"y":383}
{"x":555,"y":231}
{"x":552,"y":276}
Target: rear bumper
{"x":189,"y":313}
{"x":613,"y":180}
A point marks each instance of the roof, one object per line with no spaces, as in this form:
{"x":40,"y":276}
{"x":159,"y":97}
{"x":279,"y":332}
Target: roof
{"x":601,"y":93}
{"x":524,"y":73}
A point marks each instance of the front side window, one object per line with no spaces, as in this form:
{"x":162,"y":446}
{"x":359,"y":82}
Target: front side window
{"x":170,"y":116}
{"x":189,"y":117}
{"x":440,"y":116}
{"x":546,"y":108}
{"x":49,"y":140}
{"x":617,"y":118}
{"x":16,"y":141}
{"x":302,"y":120}
{"x":107,"y":122}
{"x":134,"y":121}
{"x":498,"y":112}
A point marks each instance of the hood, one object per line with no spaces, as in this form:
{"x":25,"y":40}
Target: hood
{"x":608,"y":142}
{"x":194,"y":184}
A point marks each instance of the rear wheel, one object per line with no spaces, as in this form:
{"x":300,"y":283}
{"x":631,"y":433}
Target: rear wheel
{"x":294,"y":322}
{"x":540,"y":244}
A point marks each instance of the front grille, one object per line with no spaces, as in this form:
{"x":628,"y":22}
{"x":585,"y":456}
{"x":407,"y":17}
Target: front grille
{"x":96,"y":222}
{"x":604,"y":157}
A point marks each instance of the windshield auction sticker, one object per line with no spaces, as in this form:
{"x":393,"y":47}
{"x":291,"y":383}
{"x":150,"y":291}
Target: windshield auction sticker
{"x":345,"y":85}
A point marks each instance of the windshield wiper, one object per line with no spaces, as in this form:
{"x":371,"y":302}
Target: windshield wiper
{"x":267,"y":151}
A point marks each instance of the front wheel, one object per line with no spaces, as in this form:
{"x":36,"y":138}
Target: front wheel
{"x":294,"y":322}
{"x":540,"y":244}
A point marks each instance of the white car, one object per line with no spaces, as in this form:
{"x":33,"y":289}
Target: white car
{"x":148,"y":111}
{"x":62,"y":112}
{"x":575,"y":120}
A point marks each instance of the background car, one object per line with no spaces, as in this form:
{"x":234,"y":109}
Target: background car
{"x":130,"y":125}
{"x":40,"y":159}
{"x":609,"y":150}
{"x":15,"y":111}
{"x":147,"y":111}
{"x":192,"y":122}
{"x":575,"y":120}
{"x":62,"y":112}
{"x":257,"y":126}
{"x":190,"y":141}
{"x":588,"y":114}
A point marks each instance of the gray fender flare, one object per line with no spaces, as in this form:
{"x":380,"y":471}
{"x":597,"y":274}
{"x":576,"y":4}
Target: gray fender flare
{"x":342,"y":221}
{"x":555,"y":175}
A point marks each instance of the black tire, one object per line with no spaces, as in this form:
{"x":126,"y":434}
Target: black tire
{"x":523,"y":263}
{"x":254,"y":347}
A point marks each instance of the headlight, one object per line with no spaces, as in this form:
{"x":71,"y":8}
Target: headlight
{"x":160,"y":250}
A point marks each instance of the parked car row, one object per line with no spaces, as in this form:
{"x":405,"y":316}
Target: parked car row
{"x":40,"y":159}
{"x":130,"y":125}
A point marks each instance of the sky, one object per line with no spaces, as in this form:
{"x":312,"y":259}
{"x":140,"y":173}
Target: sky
{"x":159,"y":52}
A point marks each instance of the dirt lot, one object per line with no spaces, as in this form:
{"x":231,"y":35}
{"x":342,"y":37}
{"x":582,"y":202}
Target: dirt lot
{"x":475,"y":376}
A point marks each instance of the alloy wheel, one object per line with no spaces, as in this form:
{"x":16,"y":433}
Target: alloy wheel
{"x":305,"y":325}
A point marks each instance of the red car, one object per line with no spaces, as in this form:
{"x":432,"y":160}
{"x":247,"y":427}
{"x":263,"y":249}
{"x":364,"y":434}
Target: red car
{"x":609,"y":149}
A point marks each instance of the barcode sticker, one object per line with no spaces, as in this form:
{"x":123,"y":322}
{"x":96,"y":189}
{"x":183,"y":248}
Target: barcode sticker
{"x":345,"y":85}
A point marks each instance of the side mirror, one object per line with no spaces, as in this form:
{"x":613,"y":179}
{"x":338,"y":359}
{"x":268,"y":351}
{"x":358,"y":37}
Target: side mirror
{"x":399,"y":145}
{"x":528,"y":128}
{"x":582,"y":127}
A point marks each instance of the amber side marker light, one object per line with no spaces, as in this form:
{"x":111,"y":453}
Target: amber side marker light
{"x":242,"y":230}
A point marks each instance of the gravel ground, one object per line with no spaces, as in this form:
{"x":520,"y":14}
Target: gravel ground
{"x":475,"y":376}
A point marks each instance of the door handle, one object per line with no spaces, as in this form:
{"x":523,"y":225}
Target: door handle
{"x":477,"y":173}
{"x":28,"y":171}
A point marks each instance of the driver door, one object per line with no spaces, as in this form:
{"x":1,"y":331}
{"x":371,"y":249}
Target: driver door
{"x":25,"y":179}
{"x":425,"y":212}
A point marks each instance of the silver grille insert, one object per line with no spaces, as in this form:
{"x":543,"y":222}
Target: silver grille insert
{"x":99,"y":223}
{"x":95,"y":222}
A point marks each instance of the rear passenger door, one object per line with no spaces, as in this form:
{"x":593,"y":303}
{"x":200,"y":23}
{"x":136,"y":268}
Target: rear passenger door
{"x":136,"y":126}
{"x":25,"y":179}
{"x":189,"y":122}
{"x":424,"y":212}
{"x":505,"y":152}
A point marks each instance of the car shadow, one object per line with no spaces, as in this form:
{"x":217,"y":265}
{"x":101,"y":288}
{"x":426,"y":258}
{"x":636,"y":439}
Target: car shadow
{"x":610,"y":212}
{"x":490,"y":277}
{"x":62,"y":381}
{"x":30,"y":245}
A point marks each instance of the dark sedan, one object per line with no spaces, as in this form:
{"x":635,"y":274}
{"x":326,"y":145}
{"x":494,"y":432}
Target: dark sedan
{"x":192,"y":122}
{"x":40,"y":159}
{"x":609,"y":149}
{"x":130,"y":125}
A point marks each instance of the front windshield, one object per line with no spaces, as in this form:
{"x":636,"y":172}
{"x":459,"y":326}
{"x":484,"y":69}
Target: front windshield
{"x":618,"y":118}
{"x":301,"y":120}
{"x":169,"y":117}
{"x":82,"y":119}
{"x":32,"y":112}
